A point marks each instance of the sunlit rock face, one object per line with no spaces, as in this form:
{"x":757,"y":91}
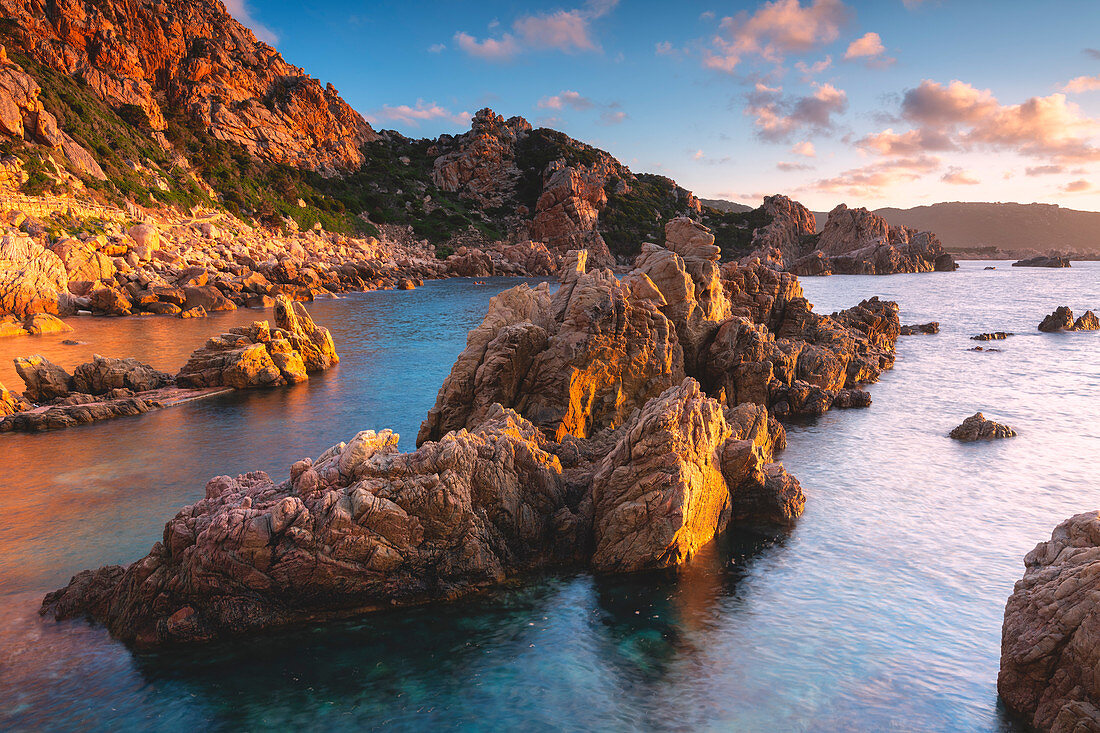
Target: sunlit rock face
{"x":615,"y":424}
{"x":195,"y":55}
{"x":1050,"y":642}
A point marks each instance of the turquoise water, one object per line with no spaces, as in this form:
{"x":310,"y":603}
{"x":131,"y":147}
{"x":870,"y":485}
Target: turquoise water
{"x":880,"y":610}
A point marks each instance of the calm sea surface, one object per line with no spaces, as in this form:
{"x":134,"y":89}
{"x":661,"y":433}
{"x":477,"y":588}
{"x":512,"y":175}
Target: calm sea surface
{"x":880,"y":611}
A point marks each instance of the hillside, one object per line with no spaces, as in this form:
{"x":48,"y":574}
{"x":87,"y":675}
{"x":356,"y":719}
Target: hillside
{"x":1007,"y":227}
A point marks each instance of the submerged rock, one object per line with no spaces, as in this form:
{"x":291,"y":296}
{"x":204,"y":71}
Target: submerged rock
{"x":921,"y":329}
{"x":994,"y":336}
{"x":977,"y":427}
{"x":1050,"y":641}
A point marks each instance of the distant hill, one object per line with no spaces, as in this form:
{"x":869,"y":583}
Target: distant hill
{"x":1006,"y":226}
{"x":728,"y":207}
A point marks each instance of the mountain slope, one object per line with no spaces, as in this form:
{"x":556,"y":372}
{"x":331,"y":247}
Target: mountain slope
{"x":1007,"y":226}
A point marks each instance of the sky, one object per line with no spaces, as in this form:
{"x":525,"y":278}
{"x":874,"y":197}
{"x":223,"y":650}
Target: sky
{"x":869,"y":103}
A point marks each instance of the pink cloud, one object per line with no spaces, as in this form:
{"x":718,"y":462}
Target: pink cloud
{"x":573,"y":100}
{"x":959,"y":177}
{"x":420,"y":112}
{"x":869,"y":44}
{"x":871,"y":180}
{"x":779,"y":118}
{"x":491,"y":49}
{"x":805,"y":149}
{"x":777,"y":28}
{"x":1082,"y":84}
{"x":1079,"y":186}
{"x":568,"y":31}
{"x":785,"y":166}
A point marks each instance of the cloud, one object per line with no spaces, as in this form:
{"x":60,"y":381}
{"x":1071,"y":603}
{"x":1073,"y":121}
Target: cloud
{"x":1082,"y":84}
{"x":815,"y":68}
{"x":1079,"y":186}
{"x":869,"y":44}
{"x":959,"y":177}
{"x":613,"y":116}
{"x":437,"y":48}
{"x":665,"y":48}
{"x":1043,"y":170}
{"x":958,"y":116}
{"x":573,"y":100}
{"x":871,"y":180}
{"x":491,"y":49}
{"x":778,"y":118}
{"x":568,"y":31}
{"x":420,"y":112}
{"x":777,"y":28}
{"x":785,"y":166}
{"x":1093,"y":53}
{"x":240,"y":10}
{"x":805,"y":149}
{"x":698,"y":155}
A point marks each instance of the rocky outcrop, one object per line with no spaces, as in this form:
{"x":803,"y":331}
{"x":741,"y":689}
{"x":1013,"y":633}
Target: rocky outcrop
{"x":1062,"y":320}
{"x":102,"y":375}
{"x":260,"y":356}
{"x":1050,"y":641}
{"x":44,"y":380}
{"x":482,"y":165}
{"x":860,"y":242}
{"x":11,"y":403}
{"x":568,"y":210}
{"x":994,"y":336}
{"x":977,"y":427}
{"x":200,"y":60}
{"x":783,"y":241}
{"x":921,"y":329}
{"x":568,"y":432}
{"x":1043,"y":261}
{"x":35,"y":325}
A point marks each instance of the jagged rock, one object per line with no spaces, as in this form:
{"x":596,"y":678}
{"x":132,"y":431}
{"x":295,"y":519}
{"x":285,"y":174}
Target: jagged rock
{"x":568,"y":209}
{"x":109,"y":301}
{"x":532,"y":258}
{"x":470,"y":262}
{"x":483,"y":165}
{"x":73,"y":412}
{"x":103,"y":374}
{"x":259,"y":356}
{"x":361,"y":527}
{"x":859,"y":242}
{"x":1062,"y":320}
{"x":977,"y":427}
{"x":31,"y":277}
{"x":781,"y":242}
{"x":1043,"y":261}
{"x":994,"y":336}
{"x":45,"y":380}
{"x":82,"y":260}
{"x":11,"y":403}
{"x":920,"y":329}
{"x":1050,"y":641}
{"x":197,"y":312}
{"x":146,"y":241}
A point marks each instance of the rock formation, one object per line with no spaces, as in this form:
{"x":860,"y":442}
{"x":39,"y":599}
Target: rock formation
{"x":11,"y":403}
{"x":977,"y":427}
{"x":859,"y":242}
{"x":259,"y":356}
{"x":200,"y":60}
{"x":782,"y":241}
{"x":1042,"y":261}
{"x":994,"y":336}
{"x":1062,"y":320}
{"x":569,"y":432}
{"x":1050,"y":641}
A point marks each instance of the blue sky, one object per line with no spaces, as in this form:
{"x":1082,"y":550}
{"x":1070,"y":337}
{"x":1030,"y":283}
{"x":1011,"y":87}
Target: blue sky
{"x":894,"y":102}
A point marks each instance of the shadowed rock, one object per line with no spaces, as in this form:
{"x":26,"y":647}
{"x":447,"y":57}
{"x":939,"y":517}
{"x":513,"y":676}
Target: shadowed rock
{"x":1062,"y":320}
{"x":1050,"y":641}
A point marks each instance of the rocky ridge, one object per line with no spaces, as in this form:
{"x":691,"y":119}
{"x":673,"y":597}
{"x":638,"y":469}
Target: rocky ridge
{"x":569,"y":432}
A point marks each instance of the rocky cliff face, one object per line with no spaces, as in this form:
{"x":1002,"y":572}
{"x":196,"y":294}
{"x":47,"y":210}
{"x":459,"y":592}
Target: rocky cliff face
{"x":195,"y":56}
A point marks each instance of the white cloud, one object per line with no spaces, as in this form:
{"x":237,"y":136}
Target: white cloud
{"x":571,"y":99}
{"x":420,"y":112}
{"x":240,"y":10}
{"x":777,"y":28}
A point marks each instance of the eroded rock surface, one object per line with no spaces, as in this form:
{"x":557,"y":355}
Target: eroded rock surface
{"x":1062,"y":320}
{"x":977,"y":427}
{"x":1050,"y":641}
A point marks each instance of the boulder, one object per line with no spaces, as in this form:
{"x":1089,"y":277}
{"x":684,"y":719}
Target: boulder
{"x":1050,"y":640}
{"x":45,"y":380}
{"x":208,"y":297}
{"x":197,"y":312}
{"x":1043,"y":261}
{"x":103,"y":374}
{"x":920,"y":329}
{"x":313,"y":342}
{"x":82,"y":260}
{"x":977,"y":427}
{"x":32,"y":278}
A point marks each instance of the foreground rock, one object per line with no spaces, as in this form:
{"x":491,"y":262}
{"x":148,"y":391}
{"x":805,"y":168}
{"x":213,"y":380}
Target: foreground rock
{"x":1043,"y":261}
{"x":1050,"y":641}
{"x":34,"y":325}
{"x":977,"y":427}
{"x":1062,"y":320}
{"x":570,"y":431}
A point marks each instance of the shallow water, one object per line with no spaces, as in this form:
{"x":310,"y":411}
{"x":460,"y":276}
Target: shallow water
{"x":882,"y":609}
